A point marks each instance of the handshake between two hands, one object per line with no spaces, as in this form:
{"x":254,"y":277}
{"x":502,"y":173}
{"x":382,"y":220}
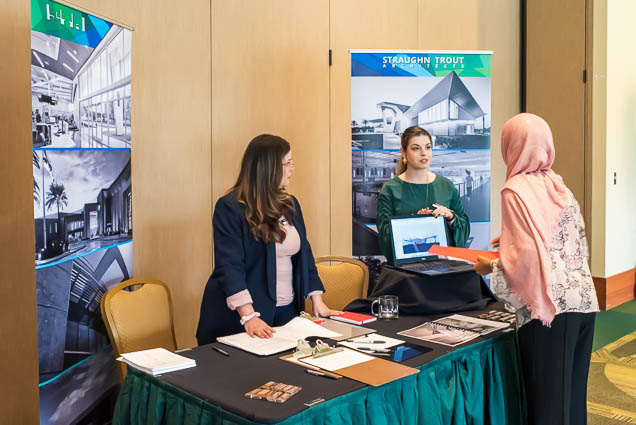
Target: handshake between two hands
{"x":482,"y":266}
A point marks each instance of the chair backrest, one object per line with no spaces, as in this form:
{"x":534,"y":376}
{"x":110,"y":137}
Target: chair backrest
{"x":345,"y":280}
{"x":139,"y":319}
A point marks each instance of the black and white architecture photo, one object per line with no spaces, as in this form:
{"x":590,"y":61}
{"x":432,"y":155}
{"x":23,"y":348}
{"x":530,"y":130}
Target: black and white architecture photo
{"x":454,"y":110}
{"x":80,"y":95}
{"x":76,"y":366}
{"x":82,"y":202}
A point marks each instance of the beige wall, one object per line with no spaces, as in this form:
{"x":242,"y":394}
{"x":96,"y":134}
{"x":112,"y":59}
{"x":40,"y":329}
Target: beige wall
{"x":18,"y":355}
{"x":597,"y":116}
{"x":270,"y":75}
{"x":554,"y":82}
{"x":620,"y":197}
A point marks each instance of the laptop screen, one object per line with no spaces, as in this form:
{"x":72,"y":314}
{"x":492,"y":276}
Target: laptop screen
{"x":413,"y":236}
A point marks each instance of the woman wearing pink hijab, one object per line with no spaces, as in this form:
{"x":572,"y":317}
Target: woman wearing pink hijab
{"x":543,"y":275}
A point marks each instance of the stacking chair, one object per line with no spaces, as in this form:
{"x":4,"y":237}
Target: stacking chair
{"x":345,"y":280}
{"x":140,"y":318}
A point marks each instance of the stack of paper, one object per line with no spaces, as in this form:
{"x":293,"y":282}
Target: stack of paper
{"x":285,"y":338}
{"x":156,"y":361}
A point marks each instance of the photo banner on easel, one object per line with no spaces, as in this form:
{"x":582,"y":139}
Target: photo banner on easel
{"x":82,"y":202}
{"x":448,"y":93}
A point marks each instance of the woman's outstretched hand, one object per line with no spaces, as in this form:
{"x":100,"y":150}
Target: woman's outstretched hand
{"x":257,"y":327}
{"x":321,"y":309}
{"x":482,"y":266}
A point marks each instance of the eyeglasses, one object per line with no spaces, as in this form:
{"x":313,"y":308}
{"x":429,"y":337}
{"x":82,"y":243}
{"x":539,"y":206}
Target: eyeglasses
{"x":289,"y":163}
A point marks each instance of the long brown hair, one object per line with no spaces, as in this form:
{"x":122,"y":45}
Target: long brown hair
{"x":408,"y":134}
{"x":258,"y":188}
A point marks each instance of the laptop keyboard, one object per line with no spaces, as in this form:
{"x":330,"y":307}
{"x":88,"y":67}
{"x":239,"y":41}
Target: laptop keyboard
{"x":433,"y":265}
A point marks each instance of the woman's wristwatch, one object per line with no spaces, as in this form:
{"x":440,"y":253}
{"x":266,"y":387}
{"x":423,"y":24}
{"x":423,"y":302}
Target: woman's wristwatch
{"x":247,"y":318}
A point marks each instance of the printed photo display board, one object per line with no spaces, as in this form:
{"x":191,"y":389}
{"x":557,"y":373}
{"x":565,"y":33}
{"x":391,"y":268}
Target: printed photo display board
{"x":446,"y":93}
{"x":82,"y":201}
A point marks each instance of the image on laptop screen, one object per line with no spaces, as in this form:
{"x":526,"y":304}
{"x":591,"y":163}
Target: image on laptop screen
{"x":413,"y":236}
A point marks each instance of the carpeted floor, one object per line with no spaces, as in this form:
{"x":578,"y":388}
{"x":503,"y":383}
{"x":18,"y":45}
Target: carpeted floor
{"x":611,"y":396}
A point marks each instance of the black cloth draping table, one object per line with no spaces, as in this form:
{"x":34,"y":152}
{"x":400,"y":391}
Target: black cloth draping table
{"x":484,"y":379}
{"x":424,"y":295}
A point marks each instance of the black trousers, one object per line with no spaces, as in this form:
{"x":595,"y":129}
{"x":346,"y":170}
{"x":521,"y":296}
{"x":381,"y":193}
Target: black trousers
{"x":555,"y":363}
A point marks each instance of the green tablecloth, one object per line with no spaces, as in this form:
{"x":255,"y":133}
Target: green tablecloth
{"x":477,"y":384}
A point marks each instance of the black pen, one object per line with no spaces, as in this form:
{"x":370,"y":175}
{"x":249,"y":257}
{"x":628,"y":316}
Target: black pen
{"x":318,"y":373}
{"x":369,"y":342}
{"x":218,"y":350}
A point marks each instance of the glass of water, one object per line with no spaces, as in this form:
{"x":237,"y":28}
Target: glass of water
{"x":387,"y":307}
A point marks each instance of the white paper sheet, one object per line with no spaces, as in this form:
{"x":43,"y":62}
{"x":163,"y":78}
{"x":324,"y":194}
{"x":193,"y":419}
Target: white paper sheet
{"x":285,"y":338}
{"x":339,"y":360}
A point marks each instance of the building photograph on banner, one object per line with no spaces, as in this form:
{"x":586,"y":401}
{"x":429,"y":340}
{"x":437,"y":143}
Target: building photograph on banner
{"x":80,"y":79}
{"x":448,"y":94}
{"x":82,"y":203}
{"x":82,"y":200}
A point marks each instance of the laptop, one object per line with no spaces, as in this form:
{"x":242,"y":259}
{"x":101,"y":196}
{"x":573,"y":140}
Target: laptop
{"x":412,"y":237}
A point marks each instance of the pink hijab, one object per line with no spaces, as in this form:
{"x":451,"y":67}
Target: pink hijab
{"x":529,"y":223}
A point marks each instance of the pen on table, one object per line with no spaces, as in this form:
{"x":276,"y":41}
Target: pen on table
{"x":318,"y":373}
{"x":369,"y":342}
{"x":375,"y":352}
{"x":218,"y":350}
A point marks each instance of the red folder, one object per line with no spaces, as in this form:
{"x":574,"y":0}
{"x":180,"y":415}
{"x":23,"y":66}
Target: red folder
{"x":355,"y":318}
{"x":463,"y":253}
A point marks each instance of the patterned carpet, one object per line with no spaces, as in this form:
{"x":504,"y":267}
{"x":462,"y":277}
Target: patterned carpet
{"x":612,"y":380}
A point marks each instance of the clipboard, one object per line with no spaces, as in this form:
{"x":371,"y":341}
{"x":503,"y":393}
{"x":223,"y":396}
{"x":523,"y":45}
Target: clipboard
{"x":374,"y":372}
{"x":290,"y":359}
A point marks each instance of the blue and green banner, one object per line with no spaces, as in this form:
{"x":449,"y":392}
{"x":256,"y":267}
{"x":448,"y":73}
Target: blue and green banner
{"x":448,"y":93}
{"x":69,"y":24}
{"x":420,"y":64}
{"x":82,"y":203}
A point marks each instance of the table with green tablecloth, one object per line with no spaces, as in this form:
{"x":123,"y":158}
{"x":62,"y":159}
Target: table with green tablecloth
{"x":479,"y":382}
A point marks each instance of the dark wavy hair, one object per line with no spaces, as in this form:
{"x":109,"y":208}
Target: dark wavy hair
{"x":408,"y":134}
{"x":258,"y":188}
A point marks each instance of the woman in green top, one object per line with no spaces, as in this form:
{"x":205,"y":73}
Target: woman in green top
{"x":416,"y":190}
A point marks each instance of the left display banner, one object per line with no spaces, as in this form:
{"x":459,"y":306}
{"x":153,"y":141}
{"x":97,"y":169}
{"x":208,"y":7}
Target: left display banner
{"x":82,"y":202}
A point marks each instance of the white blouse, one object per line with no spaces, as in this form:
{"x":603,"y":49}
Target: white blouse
{"x":284,"y":268}
{"x":571,"y":286}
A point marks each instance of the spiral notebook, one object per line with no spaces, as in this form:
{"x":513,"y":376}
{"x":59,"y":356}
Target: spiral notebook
{"x":453,"y":330}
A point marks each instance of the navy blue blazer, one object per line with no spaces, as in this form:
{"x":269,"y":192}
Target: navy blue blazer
{"x":241,"y":262}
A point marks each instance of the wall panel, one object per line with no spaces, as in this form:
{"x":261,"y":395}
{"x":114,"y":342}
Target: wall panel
{"x":18,"y":391}
{"x":357,"y":25}
{"x":270,"y":75}
{"x":554,"y":82}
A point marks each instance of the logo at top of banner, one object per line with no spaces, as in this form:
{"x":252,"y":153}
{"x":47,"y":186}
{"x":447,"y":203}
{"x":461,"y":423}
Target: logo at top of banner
{"x":397,"y":64}
{"x":67,"y":23}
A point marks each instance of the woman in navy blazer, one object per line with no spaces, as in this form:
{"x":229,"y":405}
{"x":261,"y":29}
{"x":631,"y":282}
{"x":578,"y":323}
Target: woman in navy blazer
{"x":264,"y":268}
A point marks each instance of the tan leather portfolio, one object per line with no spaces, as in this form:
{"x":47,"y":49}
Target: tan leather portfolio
{"x":370,"y":371}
